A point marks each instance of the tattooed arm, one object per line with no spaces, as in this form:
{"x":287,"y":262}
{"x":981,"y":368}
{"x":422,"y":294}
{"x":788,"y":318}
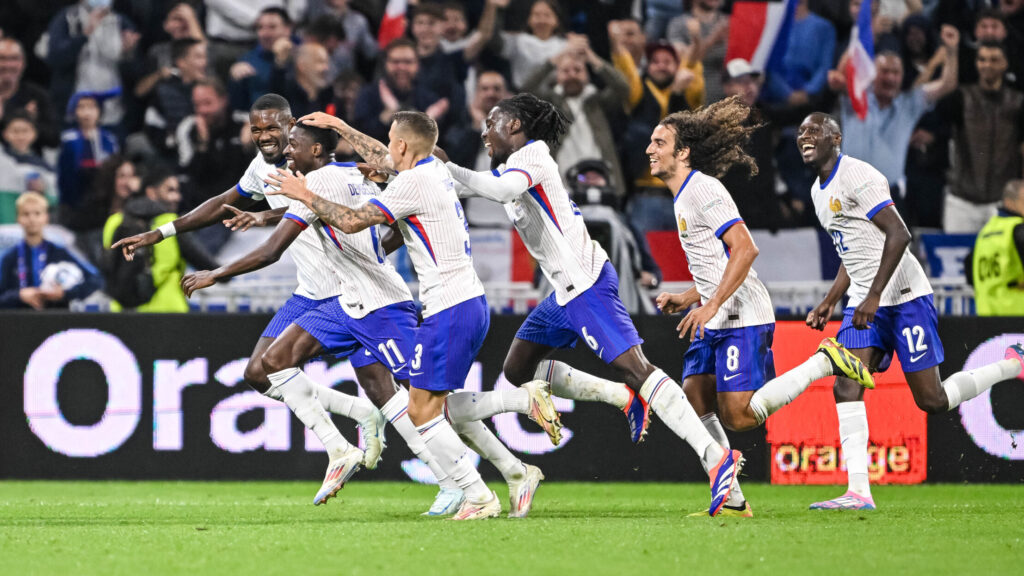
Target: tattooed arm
{"x":371,"y":150}
{"x":341,"y":217}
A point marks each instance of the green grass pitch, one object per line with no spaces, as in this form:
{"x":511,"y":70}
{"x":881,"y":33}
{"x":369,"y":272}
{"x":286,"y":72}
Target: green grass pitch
{"x":260,"y":528}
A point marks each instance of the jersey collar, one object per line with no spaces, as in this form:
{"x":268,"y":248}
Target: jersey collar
{"x":832,"y":173}
{"x":685,"y":182}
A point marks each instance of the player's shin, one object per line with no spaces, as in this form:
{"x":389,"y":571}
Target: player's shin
{"x":714,"y":427}
{"x":568,"y":382}
{"x":396,"y":410}
{"x":853,"y":436}
{"x":782,"y":390}
{"x":668,"y":401}
{"x":481,"y":440}
{"x":297,"y":391}
{"x":963,"y":386}
{"x":453,"y":456}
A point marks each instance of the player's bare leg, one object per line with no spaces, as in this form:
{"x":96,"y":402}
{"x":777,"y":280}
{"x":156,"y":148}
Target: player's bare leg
{"x":425,"y":410}
{"x":666,"y":398}
{"x":935,"y":396}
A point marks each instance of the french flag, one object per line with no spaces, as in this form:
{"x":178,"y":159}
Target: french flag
{"x":392,"y":26}
{"x":759,"y":32}
{"x":860,"y":62}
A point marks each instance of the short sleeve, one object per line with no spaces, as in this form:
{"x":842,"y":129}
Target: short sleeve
{"x":400,"y":199}
{"x":716,"y":210}
{"x":251,"y":185}
{"x":871,"y":197}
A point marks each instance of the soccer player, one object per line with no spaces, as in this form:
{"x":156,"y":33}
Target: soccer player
{"x":519,"y":133}
{"x":728,"y":369}
{"x":422,"y":200}
{"x":890,"y":307}
{"x":270,"y":119}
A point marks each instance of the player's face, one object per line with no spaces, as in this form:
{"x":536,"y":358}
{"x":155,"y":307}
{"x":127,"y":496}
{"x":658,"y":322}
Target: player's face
{"x":815,"y":140}
{"x":299,"y":151}
{"x":496,"y":136}
{"x":662,"y":152}
{"x":269,"y":133}
{"x":32,"y":218}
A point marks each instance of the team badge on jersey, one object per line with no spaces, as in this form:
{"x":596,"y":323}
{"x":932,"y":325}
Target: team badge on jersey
{"x":836,"y":206}
{"x":682,"y":227}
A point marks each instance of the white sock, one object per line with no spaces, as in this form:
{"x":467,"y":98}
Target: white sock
{"x":668,"y":401}
{"x":853,"y":436}
{"x":784,"y":389}
{"x":481,"y":440}
{"x":352,"y":407}
{"x":963,"y":386}
{"x":714,"y":428}
{"x":297,"y":391}
{"x":453,"y":457}
{"x":462,"y":407}
{"x":568,"y":382}
{"x":396,"y":410}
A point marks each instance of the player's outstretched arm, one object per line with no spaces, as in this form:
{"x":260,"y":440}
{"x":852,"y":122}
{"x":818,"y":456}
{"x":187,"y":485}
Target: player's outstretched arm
{"x":504,"y":188}
{"x":371,"y":149}
{"x":670,"y":303}
{"x":742,"y":252}
{"x":822,"y":313}
{"x":242,"y":221}
{"x":263,"y":255}
{"x":897,"y":238}
{"x":341,"y":217}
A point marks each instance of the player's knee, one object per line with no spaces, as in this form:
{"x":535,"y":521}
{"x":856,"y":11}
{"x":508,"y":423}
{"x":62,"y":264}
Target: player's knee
{"x":933,"y":403}
{"x":255,"y":376}
{"x":846,"y":390}
{"x":736,"y":421}
{"x":274,"y":359}
{"x":517,"y":373}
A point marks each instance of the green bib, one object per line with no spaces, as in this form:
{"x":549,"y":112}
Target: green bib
{"x":998,"y":273}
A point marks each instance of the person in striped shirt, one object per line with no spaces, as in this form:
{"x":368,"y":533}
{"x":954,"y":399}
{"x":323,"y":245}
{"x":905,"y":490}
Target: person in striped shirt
{"x":422,"y":201}
{"x":729,"y":370}
{"x":890,"y":308}
{"x":519,"y":133}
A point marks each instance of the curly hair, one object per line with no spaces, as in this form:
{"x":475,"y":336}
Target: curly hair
{"x":716,"y":135}
{"x":541,"y":119}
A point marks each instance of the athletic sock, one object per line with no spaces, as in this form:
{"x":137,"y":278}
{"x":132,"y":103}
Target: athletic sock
{"x":568,"y":382}
{"x":297,"y":391}
{"x":963,"y":386}
{"x":714,"y":428}
{"x":784,"y":389}
{"x":668,"y":401}
{"x":481,"y":440}
{"x":453,"y":457}
{"x":462,"y":407}
{"x":853,"y":436}
{"x":352,"y":407}
{"x":396,"y":410}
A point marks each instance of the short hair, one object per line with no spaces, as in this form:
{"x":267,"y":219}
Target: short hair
{"x":1011,"y":191}
{"x":889,"y":54}
{"x":18,"y":114}
{"x":323,"y":27}
{"x":271,"y":102}
{"x":181,"y":46}
{"x":214,"y":84}
{"x":30,"y":197}
{"x":433,"y":10}
{"x":420,"y":125}
{"x":989,"y":13}
{"x":399,"y":43}
{"x":323,"y":136}
{"x":454,"y":5}
{"x":276,"y":11}
{"x":828,"y":120}
{"x":992,"y":44}
{"x":156,"y":175}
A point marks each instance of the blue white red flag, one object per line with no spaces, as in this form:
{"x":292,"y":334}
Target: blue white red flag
{"x":860,"y":61}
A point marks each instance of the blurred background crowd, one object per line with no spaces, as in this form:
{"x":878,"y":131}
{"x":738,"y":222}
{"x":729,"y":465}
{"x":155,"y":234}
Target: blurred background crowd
{"x":115,"y":107}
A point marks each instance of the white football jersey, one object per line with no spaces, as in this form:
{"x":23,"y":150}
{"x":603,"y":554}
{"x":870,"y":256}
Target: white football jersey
{"x":424,"y":203}
{"x":845,"y":204}
{"x":368,"y":279}
{"x":551,"y":225}
{"x":704,"y":212}
{"x":315,"y":275}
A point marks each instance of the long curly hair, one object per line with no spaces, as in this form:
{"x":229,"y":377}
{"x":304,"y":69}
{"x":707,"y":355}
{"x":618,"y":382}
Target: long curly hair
{"x":541,"y":119}
{"x":716,"y":135}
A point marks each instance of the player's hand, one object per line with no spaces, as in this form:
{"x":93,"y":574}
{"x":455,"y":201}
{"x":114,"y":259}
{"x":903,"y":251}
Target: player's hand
{"x":322,"y":120}
{"x":242,"y":221}
{"x":441,"y":154}
{"x":373,"y":172}
{"x":130,"y":244}
{"x":670,"y":303}
{"x":695,"y":321}
{"x":33,"y":297}
{"x":197,"y":281}
{"x":864,"y":314}
{"x":819,"y":317}
{"x":52,"y":293}
{"x":291,"y":185}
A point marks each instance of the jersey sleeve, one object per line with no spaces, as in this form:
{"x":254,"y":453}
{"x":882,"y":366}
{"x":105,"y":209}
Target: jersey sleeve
{"x":716,"y":209}
{"x":871,"y":197}
{"x":400,"y":199}
{"x":525,"y":163}
{"x":251,"y":185}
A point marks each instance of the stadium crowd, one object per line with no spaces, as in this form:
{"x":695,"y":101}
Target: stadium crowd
{"x":106,"y":101}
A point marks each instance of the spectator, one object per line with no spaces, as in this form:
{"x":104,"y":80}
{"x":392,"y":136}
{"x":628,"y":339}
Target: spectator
{"x":628,"y":36}
{"x":233,"y":26}
{"x":990,"y":28}
{"x":401,"y":88}
{"x":251,"y":75}
{"x":157,"y":205}
{"x":996,"y":266}
{"x":211,"y":150}
{"x":987,"y":120}
{"x":327,"y":31}
{"x":565,"y":82}
{"x":37,"y":273}
{"x":804,"y":71}
{"x":305,"y":83}
{"x":666,"y":86}
{"x":883,"y":137}
{"x":82,"y":150}
{"x":181,"y":22}
{"x":116,"y":180}
{"x":19,"y":136}
{"x":658,"y":14}
{"x":359,"y":50}
{"x":920,"y":59}
{"x":11,"y":184}
{"x":543,"y":40}
{"x":18,"y":94}
{"x":171,"y":100}
{"x":86,"y":41}
{"x":705,"y":30}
